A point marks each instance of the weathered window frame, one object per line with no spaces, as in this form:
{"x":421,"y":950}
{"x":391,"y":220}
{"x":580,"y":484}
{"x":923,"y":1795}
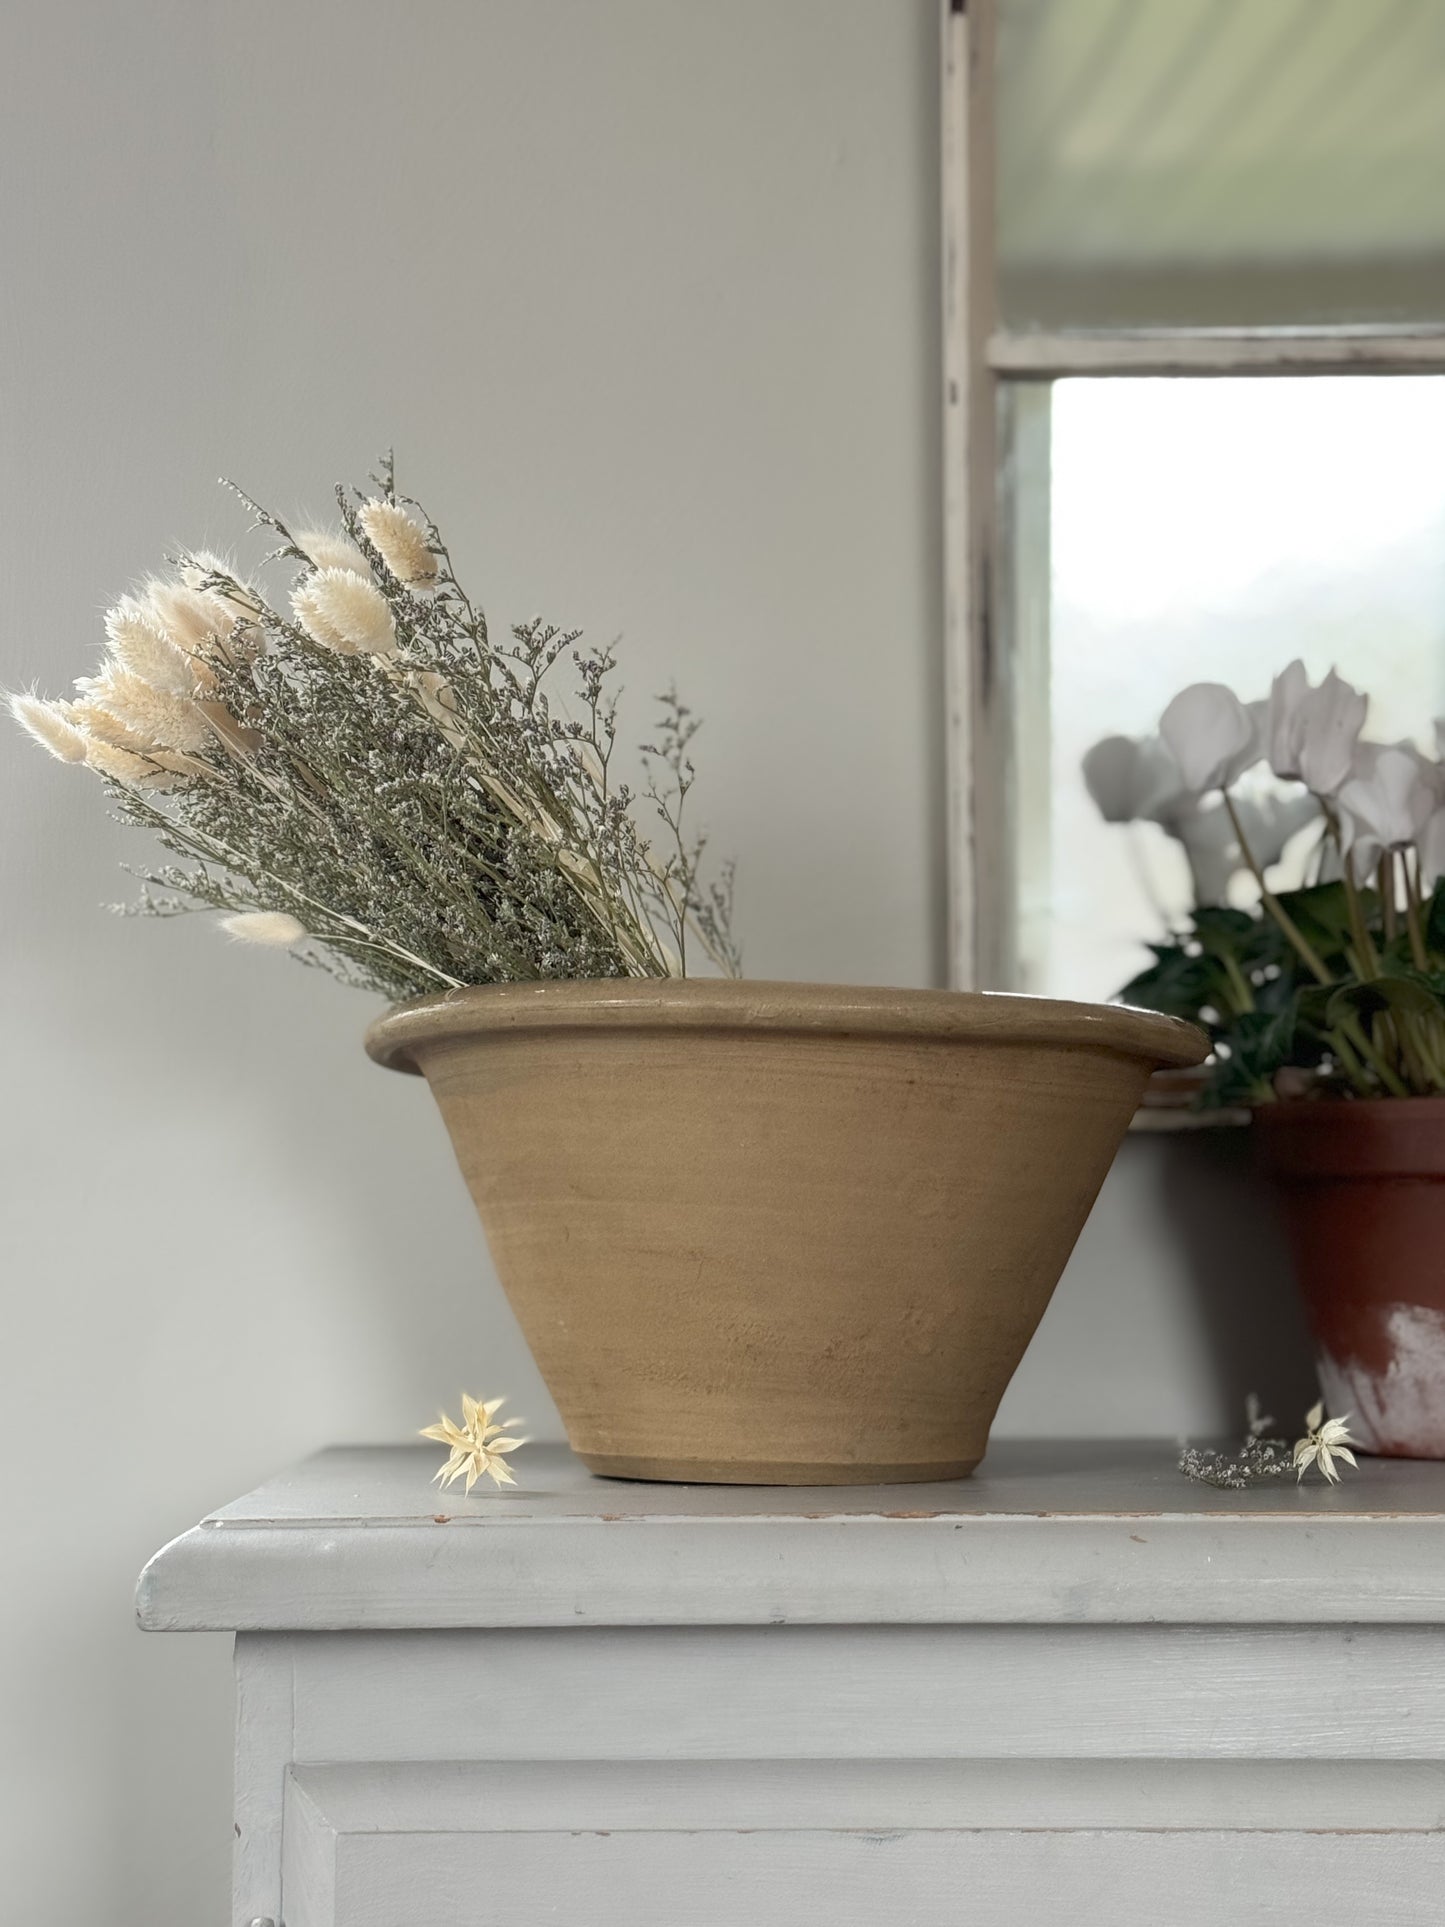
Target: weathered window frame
{"x":996,"y":646}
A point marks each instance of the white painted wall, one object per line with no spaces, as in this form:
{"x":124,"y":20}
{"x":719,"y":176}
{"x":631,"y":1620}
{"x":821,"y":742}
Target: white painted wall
{"x":645,"y":293}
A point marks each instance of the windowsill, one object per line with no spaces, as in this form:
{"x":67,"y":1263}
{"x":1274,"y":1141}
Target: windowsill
{"x":1161,"y":1119}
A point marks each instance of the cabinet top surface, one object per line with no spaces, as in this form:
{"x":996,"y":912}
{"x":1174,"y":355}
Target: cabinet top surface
{"x":1020,"y":1479}
{"x":1057,"y":1530}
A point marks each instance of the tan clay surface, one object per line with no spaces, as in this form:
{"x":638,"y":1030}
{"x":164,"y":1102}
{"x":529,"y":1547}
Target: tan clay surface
{"x":779,"y":1233}
{"x":1363,"y":1186}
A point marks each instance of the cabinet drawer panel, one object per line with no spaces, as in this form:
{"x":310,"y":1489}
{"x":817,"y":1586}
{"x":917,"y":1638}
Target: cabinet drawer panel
{"x":857,"y":1879}
{"x":909,"y":1692}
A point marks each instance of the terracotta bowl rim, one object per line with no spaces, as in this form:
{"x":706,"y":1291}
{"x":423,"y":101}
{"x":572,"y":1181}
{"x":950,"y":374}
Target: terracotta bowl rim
{"x":779,"y":1008}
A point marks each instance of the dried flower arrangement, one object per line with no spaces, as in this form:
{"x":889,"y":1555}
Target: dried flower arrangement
{"x":1335,"y":988}
{"x":374,"y":782}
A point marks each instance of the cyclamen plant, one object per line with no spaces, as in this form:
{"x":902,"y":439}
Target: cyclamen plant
{"x":1337,"y":988}
{"x":372,"y":781}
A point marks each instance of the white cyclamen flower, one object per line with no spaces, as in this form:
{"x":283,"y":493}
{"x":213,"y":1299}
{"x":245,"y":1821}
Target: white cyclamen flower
{"x":1211,"y":842}
{"x":1131,"y":778}
{"x":328,"y":549}
{"x":51,"y":726}
{"x":1211,"y":849}
{"x":1432,"y":849}
{"x":342,"y":612}
{"x":400,"y":541}
{"x":1392,"y":804}
{"x":1311,"y":733}
{"x":1212,"y":736}
{"x":264,"y":926}
{"x":1269,"y":822}
{"x":1362,"y":852}
{"x":1325,"y":1440}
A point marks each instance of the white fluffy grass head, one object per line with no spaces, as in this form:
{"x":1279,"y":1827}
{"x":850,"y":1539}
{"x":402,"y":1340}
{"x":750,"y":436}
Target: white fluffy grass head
{"x":343,"y":612}
{"x":126,"y":766}
{"x":51,"y":726}
{"x":400,"y":541}
{"x":273,"y":927}
{"x":148,"y":718}
{"x":143,"y":648}
{"x":197,"y":568}
{"x":436,"y":698}
{"x":329,"y":549}
{"x":102,"y":726}
{"x":195,"y":620}
{"x":241,"y":597}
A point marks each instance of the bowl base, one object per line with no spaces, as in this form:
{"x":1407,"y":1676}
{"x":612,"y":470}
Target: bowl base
{"x":762,"y":1472}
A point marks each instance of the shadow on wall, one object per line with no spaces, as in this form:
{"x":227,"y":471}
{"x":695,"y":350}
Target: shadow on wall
{"x":1236,"y":1267}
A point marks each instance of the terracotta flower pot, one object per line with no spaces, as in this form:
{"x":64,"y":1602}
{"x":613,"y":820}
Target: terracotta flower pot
{"x":778,"y":1233}
{"x":1363,"y":1183}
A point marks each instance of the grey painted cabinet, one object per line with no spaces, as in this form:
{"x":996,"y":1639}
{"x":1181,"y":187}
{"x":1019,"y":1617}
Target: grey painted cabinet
{"x":1073,"y":1686}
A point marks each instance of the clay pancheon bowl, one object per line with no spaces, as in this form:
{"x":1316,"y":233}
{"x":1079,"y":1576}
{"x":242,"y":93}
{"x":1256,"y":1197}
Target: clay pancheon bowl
{"x":779,"y":1233}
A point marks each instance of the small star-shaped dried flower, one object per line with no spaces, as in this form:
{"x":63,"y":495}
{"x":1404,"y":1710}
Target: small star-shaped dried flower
{"x":477,"y":1446}
{"x":1325,"y":1440}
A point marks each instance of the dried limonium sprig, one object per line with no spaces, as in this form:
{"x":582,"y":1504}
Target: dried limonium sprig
{"x":359,"y":773}
{"x":1258,"y":1456}
{"x":478,"y":1446}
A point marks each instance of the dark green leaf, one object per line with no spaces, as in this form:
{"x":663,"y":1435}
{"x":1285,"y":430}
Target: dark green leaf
{"x":1221,"y":930}
{"x":1435,"y":920}
{"x":1175,"y":983}
{"x":1407,"y":996}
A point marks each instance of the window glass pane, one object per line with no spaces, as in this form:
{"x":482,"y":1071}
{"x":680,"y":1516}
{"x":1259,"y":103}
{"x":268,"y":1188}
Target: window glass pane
{"x":1196,"y":163}
{"x":1212,"y":530}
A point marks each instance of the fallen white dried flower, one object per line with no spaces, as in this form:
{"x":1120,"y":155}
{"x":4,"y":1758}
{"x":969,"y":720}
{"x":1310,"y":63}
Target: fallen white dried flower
{"x":264,"y":926}
{"x":477,"y":1445}
{"x":339,"y":610}
{"x":326,"y":549}
{"x":400,"y":541}
{"x":1325,"y":1440}
{"x":50,"y":725}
